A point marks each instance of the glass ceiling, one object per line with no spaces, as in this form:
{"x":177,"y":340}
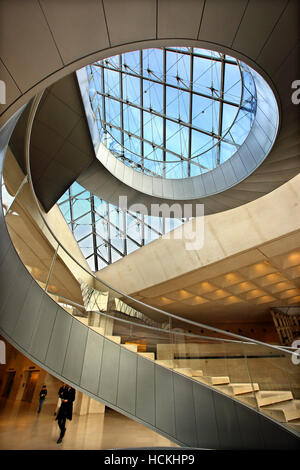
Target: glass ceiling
{"x":173,"y":112}
{"x":105,"y":233}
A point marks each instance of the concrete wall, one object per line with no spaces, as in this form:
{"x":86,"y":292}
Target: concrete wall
{"x":263,"y":220}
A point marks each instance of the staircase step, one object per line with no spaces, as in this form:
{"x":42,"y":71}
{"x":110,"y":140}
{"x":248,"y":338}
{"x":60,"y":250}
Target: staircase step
{"x":54,"y":297}
{"x":98,"y":330}
{"x":239,"y":389}
{"x":147,"y":355}
{"x":283,"y":412}
{"x":165,"y":363}
{"x":115,"y":339}
{"x":295,"y":425}
{"x":183,"y":371}
{"x":131,"y":347}
{"x":267,"y":398}
{"x":83,"y":320}
{"x":213,"y":380}
{"x":197,"y":373}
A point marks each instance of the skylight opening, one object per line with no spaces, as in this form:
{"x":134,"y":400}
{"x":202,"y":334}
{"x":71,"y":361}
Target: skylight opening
{"x":173,"y":112}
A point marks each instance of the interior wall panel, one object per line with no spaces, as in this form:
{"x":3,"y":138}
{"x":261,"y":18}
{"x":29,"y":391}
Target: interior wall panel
{"x":251,"y":432}
{"x":185,"y":421}
{"x":183,"y":18}
{"x":92,"y":362}
{"x":145,"y":391}
{"x":34,"y":40}
{"x":72,"y":367}
{"x":138,"y":20}
{"x":227,"y":421}
{"x":127,"y":381}
{"x":68,"y":26}
{"x":164,"y":400}
{"x":43,"y":329}
{"x":206,"y":420}
{"x":218,"y":13}
{"x":108,"y":388}
{"x":59,"y":341}
{"x":17,"y":298}
{"x":26,"y":323}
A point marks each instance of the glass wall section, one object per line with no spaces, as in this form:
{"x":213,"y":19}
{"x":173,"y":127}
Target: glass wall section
{"x":104,"y":232}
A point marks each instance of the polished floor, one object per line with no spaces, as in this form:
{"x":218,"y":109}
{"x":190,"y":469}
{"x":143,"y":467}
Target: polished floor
{"x":21,"y":428}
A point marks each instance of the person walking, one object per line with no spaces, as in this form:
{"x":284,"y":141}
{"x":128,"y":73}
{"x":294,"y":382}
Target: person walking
{"x":43,"y":394}
{"x":60,"y":392}
{"x":67,"y":396}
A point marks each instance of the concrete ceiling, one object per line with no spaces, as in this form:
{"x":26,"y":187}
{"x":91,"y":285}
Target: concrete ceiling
{"x":240,"y":289}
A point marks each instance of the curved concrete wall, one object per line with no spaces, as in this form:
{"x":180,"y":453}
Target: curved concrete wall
{"x":179,"y":408}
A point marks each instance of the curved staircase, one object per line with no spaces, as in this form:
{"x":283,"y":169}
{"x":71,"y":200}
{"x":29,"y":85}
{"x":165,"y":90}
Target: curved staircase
{"x":181,"y":403}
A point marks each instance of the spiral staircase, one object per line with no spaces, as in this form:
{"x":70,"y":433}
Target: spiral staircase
{"x":189,"y":407}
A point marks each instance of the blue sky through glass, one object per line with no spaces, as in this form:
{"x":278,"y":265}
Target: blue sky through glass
{"x":168,"y":110}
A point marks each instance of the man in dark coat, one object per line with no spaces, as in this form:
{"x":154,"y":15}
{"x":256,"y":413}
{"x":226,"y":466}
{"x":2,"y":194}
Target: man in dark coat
{"x":67,"y":396}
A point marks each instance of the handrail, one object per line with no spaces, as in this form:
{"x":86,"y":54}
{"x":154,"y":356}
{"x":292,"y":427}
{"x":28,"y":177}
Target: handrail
{"x":31,"y":117}
{"x":173,"y":332}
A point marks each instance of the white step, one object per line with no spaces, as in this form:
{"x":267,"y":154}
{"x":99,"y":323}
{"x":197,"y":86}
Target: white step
{"x":166,"y":363}
{"x":147,"y":355}
{"x":267,"y":398}
{"x":295,"y":425}
{"x":183,"y":371}
{"x":115,"y":339}
{"x":131,"y":347}
{"x":98,"y":330}
{"x":213,"y":380}
{"x":83,"y":320}
{"x":283,"y":412}
{"x":54,"y":297}
{"x":239,"y":389}
{"x":197,"y":373}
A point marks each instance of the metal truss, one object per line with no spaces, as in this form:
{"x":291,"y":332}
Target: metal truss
{"x":145,"y":75}
{"x":93,"y":240}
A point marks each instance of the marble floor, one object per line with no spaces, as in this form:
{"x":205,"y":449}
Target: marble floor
{"x":21,"y":428}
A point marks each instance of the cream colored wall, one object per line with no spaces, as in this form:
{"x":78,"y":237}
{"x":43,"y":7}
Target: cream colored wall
{"x":86,"y":405}
{"x":226,"y":234}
